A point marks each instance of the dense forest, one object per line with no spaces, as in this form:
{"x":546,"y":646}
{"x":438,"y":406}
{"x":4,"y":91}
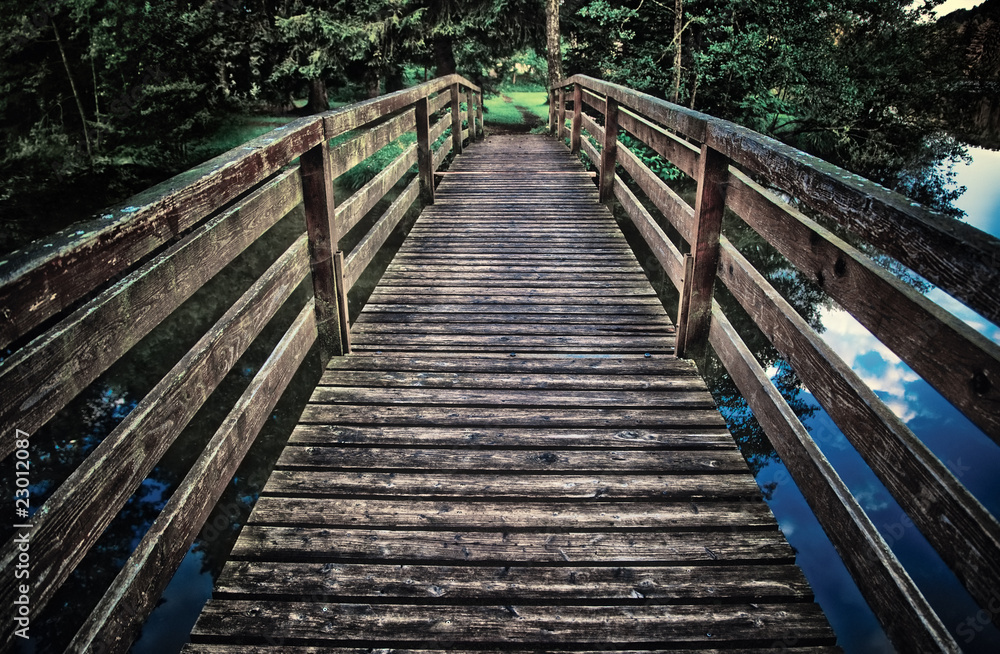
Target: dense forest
{"x":101,"y":99}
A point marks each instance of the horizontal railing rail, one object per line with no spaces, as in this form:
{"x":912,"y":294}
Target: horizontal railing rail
{"x":76,"y":303}
{"x":753,"y":175}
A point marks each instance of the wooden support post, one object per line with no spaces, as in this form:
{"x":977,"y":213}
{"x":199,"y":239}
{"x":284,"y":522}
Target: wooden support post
{"x":710,"y":203}
{"x":609,"y":151}
{"x":561,"y":127}
{"x":552,"y":111}
{"x":470,"y":96}
{"x":456,"y":119}
{"x":479,"y":116}
{"x":318,"y":202}
{"x":574,"y":135}
{"x":425,"y":155}
{"x":683,"y":307}
{"x":345,"y":321}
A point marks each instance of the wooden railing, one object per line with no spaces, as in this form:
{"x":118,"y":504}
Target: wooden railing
{"x":745,"y":172}
{"x":76,"y":303}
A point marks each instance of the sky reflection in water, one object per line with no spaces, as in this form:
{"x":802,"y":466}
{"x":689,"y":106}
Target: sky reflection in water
{"x":972,"y":456}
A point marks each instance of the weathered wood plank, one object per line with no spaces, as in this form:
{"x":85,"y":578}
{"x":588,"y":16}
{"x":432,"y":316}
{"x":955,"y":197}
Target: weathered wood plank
{"x":680,"y":398}
{"x":448,"y":584}
{"x":758,"y":624}
{"x":950,"y":355}
{"x":116,"y":621}
{"x":353,"y":209}
{"x":703,"y":438}
{"x":897,"y":602}
{"x":671,"y":116}
{"x":326,"y":649}
{"x":338,"y":121}
{"x":52,"y":274}
{"x":324,"y":237}
{"x":94,"y":493}
{"x":484,"y":485}
{"x":365,"y":251}
{"x":38,"y":380}
{"x":578,"y":546}
{"x":663,"y":249}
{"x":440,"y":101}
{"x":461,"y":515}
{"x":520,"y":381}
{"x":678,"y":212}
{"x":677,"y":151}
{"x":964,"y":533}
{"x":522,"y":461}
{"x":699,"y":285}
{"x":345,"y":156}
{"x":951,"y":254}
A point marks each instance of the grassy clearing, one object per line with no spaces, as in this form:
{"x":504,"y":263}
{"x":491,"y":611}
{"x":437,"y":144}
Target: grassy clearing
{"x":500,"y":112}
{"x":533,"y":101}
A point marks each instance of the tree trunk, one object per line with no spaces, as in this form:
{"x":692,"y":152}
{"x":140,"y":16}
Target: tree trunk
{"x":444,"y":56}
{"x":678,"y":28}
{"x":76,"y":96}
{"x":553,"y":55}
{"x":319,"y":99}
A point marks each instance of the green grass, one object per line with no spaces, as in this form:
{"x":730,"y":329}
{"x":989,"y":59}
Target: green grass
{"x":500,"y":112}
{"x":533,"y":101}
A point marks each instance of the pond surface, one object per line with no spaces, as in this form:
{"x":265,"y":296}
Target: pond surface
{"x":969,"y":454}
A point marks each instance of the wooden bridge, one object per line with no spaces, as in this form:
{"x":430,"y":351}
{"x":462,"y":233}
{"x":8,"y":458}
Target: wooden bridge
{"x":505,"y":451}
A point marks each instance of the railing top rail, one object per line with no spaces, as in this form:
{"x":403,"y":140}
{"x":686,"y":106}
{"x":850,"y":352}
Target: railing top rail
{"x":51,"y":274}
{"x":959,"y":258}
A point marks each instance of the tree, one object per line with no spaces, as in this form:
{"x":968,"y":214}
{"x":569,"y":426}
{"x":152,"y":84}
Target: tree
{"x":553,"y":50}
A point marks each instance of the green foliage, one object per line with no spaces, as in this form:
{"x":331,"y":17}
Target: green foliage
{"x":652,"y":159}
{"x":363,"y":173}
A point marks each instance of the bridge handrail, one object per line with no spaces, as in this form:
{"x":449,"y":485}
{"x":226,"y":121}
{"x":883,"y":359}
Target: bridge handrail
{"x":747,"y":172}
{"x":75,"y":303}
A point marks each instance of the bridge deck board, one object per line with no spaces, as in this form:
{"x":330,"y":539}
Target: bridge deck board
{"x":512,"y":458}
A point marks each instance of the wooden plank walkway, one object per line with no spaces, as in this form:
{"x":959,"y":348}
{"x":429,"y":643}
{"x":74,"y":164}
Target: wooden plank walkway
{"x":512,"y":459}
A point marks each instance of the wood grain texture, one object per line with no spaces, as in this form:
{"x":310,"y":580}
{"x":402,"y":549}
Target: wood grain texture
{"x":38,"y":380}
{"x":956,"y":359}
{"x":118,"y":618}
{"x":345,"y":156}
{"x":50,"y":275}
{"x":710,"y":204}
{"x":252,"y":621}
{"x":512,"y":430}
{"x":73,"y":518}
{"x":963,"y":532}
{"x":900,"y":607}
{"x":358,"y":114}
{"x":354,"y":208}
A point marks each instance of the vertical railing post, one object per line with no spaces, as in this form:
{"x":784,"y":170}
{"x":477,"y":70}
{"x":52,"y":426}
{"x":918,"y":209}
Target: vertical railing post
{"x":456,"y":119}
{"x":609,"y":150}
{"x":561,"y":129}
{"x":471,"y":114}
{"x":425,"y":155}
{"x":552,"y":111}
{"x":574,"y":135}
{"x":699,"y":278}
{"x":318,"y":201}
{"x":479,"y":116}
{"x":345,"y":325}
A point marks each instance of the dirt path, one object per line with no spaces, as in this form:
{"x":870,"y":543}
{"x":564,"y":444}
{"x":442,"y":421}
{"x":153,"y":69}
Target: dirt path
{"x":531,"y":121}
